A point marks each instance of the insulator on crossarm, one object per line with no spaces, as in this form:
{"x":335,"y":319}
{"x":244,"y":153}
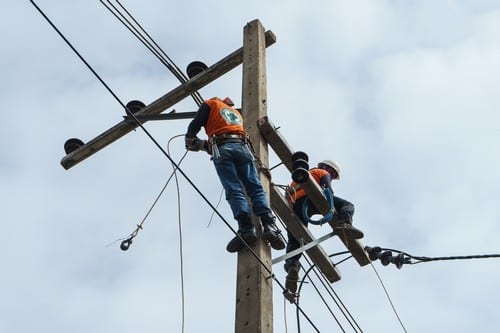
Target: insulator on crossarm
{"x":373,"y":252}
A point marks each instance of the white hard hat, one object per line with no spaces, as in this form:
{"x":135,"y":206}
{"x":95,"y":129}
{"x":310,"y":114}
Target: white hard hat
{"x":331,"y":164}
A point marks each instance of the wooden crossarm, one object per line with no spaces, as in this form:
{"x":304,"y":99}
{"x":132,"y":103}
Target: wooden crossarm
{"x":161,"y":104}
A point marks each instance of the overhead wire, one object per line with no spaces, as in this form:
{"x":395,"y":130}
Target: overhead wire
{"x":421,"y":259}
{"x":125,"y":17}
{"x":139,"y":124}
{"x":336,"y":299}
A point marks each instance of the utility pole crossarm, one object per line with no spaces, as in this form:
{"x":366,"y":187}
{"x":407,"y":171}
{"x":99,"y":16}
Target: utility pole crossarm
{"x":161,"y":104}
{"x":314,"y":192}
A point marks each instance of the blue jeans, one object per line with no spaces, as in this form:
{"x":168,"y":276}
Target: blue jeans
{"x":237,"y":173}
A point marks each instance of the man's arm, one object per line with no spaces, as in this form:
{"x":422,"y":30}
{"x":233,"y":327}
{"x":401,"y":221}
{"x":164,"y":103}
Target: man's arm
{"x":199,"y":121}
{"x":325,"y":182}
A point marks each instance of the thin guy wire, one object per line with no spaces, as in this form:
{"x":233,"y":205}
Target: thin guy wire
{"x":388,"y":297}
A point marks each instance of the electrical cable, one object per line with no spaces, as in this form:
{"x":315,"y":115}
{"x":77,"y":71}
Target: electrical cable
{"x":389,"y":298}
{"x":127,"y":241}
{"x":181,"y":254}
{"x":341,"y":306}
{"x":338,"y":302}
{"x":385,"y":255}
{"x":150,"y":44}
{"x":216,"y":206}
{"x":139,"y":124}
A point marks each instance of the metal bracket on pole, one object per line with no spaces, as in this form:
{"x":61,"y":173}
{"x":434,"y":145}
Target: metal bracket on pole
{"x":303,"y":248}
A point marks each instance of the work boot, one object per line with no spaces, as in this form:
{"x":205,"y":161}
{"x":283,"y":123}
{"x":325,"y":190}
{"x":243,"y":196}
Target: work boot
{"x":271,"y":233}
{"x":246,"y":230}
{"x":344,"y":228}
{"x":292,"y":277}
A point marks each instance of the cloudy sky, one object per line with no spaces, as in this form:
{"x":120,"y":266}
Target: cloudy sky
{"x":403,"y":94}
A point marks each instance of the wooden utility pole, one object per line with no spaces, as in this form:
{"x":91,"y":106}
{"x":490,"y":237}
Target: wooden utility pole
{"x":254,"y":307}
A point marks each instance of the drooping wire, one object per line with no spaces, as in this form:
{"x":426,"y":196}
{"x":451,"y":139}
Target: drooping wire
{"x":126,"y":242}
{"x":389,"y":298}
{"x":333,"y":295}
{"x":139,"y":124}
{"x":341,"y":306}
{"x":181,"y":252}
{"x":128,"y":20}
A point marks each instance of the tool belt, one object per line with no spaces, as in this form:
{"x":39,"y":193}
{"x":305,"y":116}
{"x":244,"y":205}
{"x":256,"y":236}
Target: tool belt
{"x":227,"y":138}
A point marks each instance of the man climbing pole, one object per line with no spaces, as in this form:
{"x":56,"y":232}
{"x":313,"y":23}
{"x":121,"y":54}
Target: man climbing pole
{"x":228,"y":143}
{"x":323,"y":174}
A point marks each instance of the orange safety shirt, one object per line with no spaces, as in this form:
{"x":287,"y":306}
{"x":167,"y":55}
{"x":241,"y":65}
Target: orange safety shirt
{"x":223,"y":119}
{"x":296,"y":191}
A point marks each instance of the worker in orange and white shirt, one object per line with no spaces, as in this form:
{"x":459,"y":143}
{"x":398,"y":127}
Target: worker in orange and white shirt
{"x":234,"y":162}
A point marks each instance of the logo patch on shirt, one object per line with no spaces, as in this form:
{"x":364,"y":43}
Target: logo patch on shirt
{"x":231,"y":117}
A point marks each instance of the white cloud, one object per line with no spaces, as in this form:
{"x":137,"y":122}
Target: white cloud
{"x":403,"y":95}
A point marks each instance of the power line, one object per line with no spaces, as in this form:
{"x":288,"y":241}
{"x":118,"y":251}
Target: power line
{"x":336,"y":299}
{"x":386,"y":257}
{"x":145,"y":38}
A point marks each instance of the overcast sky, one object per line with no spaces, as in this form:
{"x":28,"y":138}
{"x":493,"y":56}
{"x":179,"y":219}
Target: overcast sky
{"x":403,"y":94}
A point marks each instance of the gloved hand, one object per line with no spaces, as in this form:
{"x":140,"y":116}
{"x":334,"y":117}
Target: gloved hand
{"x":196,"y":144}
{"x":206,"y":146}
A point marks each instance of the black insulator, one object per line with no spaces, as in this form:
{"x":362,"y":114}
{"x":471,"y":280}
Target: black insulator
{"x":300,"y":163}
{"x":125,"y":244}
{"x":135,"y":106}
{"x":72,"y":144}
{"x":386,"y":258}
{"x":195,"y":68}
{"x":373,"y":252}
{"x":300,"y":175}
{"x":398,"y":260}
{"x":300,"y":155}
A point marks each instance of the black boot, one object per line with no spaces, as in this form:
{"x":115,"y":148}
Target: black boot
{"x":292,"y":277}
{"x":344,"y":228}
{"x":246,"y":230}
{"x":271,"y":233}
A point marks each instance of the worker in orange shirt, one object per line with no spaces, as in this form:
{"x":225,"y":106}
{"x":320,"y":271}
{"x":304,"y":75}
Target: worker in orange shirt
{"x":228,"y":144}
{"x":324,"y":174}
